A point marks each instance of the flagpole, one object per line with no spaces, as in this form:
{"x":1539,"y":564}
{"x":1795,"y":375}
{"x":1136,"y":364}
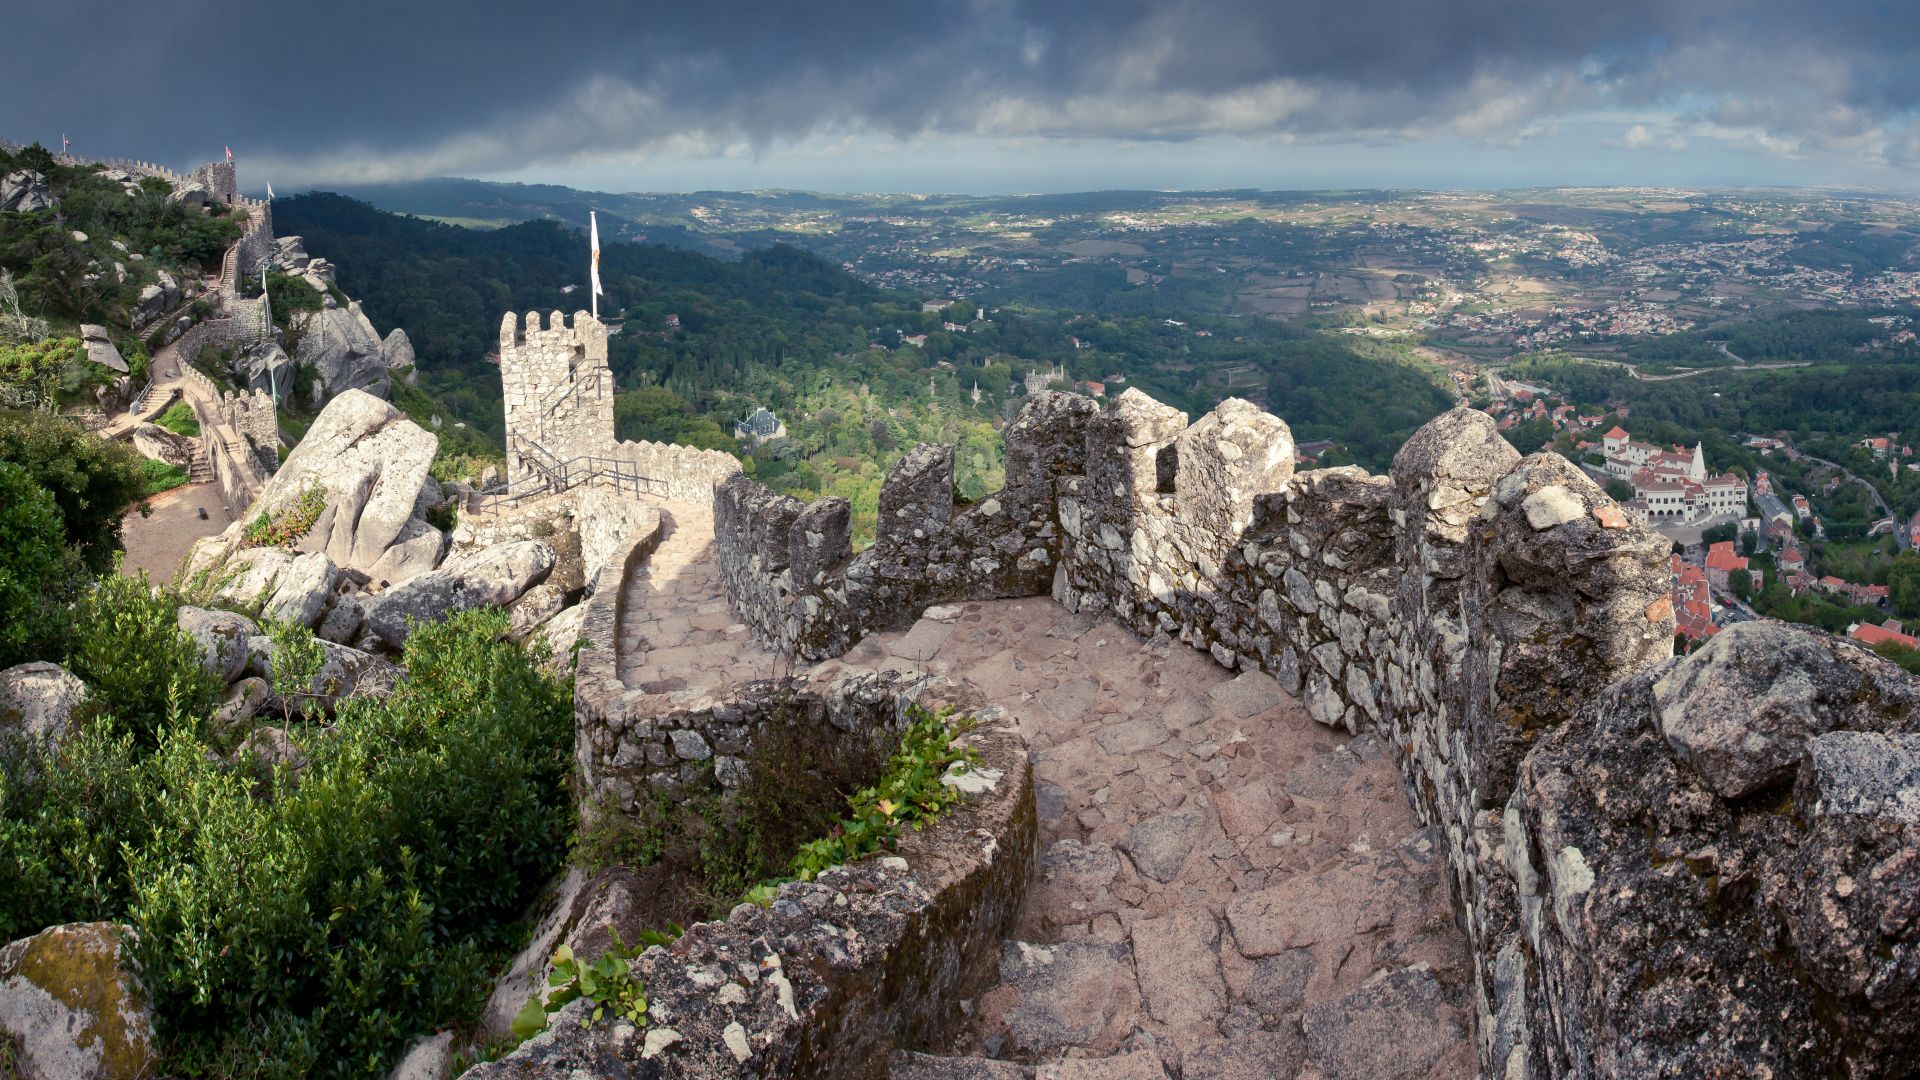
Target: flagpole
{"x":593,"y":284}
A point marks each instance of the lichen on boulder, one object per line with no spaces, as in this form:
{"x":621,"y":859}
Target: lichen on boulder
{"x":73,"y":1007}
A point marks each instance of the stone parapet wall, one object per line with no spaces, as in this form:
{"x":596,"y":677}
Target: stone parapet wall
{"x":674,"y":472}
{"x":691,"y":740}
{"x":790,"y":572}
{"x":1465,"y":605}
{"x":598,"y":692}
{"x":834,"y":975}
{"x":238,"y":325}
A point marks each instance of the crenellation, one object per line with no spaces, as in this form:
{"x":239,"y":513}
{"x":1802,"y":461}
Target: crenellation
{"x":558,"y":392}
{"x":1464,"y":605}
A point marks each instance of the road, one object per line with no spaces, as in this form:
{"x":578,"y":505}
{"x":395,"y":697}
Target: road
{"x":1498,"y":385}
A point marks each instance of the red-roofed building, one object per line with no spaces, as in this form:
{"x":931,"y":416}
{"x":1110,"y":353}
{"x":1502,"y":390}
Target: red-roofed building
{"x":1721,"y":563}
{"x":1791,"y":560}
{"x":1692,"y":610}
{"x":1870,"y":635}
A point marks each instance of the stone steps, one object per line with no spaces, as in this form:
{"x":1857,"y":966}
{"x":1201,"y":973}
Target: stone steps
{"x":677,"y":633}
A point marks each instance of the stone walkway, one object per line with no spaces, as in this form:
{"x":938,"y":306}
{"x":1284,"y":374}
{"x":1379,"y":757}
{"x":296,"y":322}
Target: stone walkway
{"x":1226,"y":888}
{"x":677,"y":633}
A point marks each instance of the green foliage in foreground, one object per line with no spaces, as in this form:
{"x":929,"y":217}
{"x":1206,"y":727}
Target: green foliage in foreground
{"x":139,"y":669}
{"x":308,"y":928}
{"x":92,"y":482}
{"x":34,"y":559}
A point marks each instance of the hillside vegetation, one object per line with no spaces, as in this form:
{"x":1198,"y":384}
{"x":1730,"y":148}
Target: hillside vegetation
{"x":703,"y":342}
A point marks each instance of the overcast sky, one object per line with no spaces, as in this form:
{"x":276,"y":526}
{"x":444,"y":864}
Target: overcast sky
{"x":983,"y":96}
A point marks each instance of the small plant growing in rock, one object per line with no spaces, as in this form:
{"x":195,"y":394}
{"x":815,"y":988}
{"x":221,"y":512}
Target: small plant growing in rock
{"x":297,"y":659}
{"x":289,"y":525}
{"x":909,"y":794}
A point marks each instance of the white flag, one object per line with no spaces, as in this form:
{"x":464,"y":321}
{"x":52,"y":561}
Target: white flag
{"x":593,"y":227}
{"x":269,"y":191}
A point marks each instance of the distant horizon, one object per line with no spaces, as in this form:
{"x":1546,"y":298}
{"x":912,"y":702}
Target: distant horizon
{"x":1841,"y":188}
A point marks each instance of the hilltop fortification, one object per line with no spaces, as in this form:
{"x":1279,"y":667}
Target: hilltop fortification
{"x":559,"y":413}
{"x":1663,"y":866}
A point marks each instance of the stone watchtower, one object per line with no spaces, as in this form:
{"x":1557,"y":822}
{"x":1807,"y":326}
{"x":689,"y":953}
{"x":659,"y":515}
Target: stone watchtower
{"x":558,"y":391}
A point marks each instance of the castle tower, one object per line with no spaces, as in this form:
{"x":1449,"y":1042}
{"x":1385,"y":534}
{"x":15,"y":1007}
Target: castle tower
{"x":558,"y":391}
{"x":1697,"y":468}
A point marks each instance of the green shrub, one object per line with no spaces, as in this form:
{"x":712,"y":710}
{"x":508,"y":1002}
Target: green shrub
{"x":67,"y":814}
{"x":158,"y":476}
{"x":289,"y":524}
{"x":37,"y":571}
{"x":92,"y":482}
{"x":181,"y":420}
{"x":138,"y":666}
{"x":312,"y":927}
{"x":909,"y":794}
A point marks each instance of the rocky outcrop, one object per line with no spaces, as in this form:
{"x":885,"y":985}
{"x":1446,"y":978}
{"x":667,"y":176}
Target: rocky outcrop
{"x":370,"y":465}
{"x":396,"y":351}
{"x":290,"y":254}
{"x":72,"y":1007}
{"x":492,"y":578}
{"x":193,"y":195}
{"x":159,"y":444}
{"x":25,"y":192}
{"x":345,"y":352}
{"x":38,"y":700}
{"x":344,"y":672}
{"x":1717,"y":864}
{"x":223,"y":637}
{"x":265,"y":367}
{"x":100,"y":348}
{"x":302,"y":590}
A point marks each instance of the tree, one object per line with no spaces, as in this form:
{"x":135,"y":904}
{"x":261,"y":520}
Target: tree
{"x":1619,"y":490}
{"x":1740,"y":583}
{"x":34,"y":563}
{"x":1720,"y":533}
{"x":92,"y":482}
{"x":1903,"y":585}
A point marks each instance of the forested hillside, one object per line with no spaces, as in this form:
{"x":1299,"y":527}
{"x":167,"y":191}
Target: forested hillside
{"x":856,"y":373}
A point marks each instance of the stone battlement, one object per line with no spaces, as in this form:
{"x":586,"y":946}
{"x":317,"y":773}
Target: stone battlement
{"x":558,"y":391}
{"x":1485,"y":613}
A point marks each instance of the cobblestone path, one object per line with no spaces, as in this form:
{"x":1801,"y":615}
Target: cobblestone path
{"x":677,"y":632}
{"x":1225,"y":887}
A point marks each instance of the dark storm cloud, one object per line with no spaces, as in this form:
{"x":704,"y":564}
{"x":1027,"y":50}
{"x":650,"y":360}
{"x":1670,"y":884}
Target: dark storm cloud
{"x":394,"y":89}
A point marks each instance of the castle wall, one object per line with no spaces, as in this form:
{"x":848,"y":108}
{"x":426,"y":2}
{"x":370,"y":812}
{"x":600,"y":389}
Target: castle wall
{"x":789,"y":568}
{"x":238,"y":325}
{"x":833,"y":975}
{"x":673,"y":472}
{"x":1464,"y":605}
